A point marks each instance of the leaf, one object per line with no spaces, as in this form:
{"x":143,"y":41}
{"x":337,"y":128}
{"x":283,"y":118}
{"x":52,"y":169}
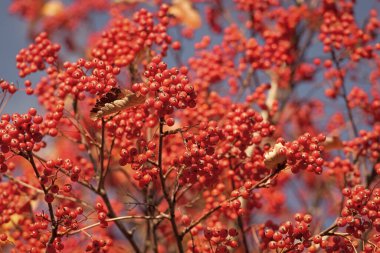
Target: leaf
{"x":333,"y":142}
{"x":114,"y":101}
{"x":184,"y":11}
{"x":275,"y":156}
{"x":52,"y":8}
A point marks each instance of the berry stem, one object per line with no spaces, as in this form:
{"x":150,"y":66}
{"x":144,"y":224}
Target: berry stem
{"x":171,"y":202}
{"x":54,"y":223}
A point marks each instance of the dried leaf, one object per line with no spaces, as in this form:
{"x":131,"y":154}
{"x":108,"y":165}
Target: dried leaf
{"x":333,"y":142}
{"x":52,"y":8}
{"x":184,"y":11}
{"x":114,"y":101}
{"x":275,"y":156}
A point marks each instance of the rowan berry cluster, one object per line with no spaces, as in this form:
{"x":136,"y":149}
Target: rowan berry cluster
{"x":221,"y":237}
{"x":55,"y":15}
{"x":360,"y":211}
{"x":12,"y":201}
{"x":340,"y":31}
{"x":28,"y":9}
{"x":156,"y":137}
{"x":37,"y":55}
{"x":21,"y":132}
{"x":97,"y":246}
{"x":125,"y":39}
{"x":76,"y":81}
{"x":305,"y":153}
{"x":199,"y":162}
{"x":367,"y":144}
{"x":102,"y":215}
{"x":343,"y":170}
{"x":244,"y":127}
{"x":215,"y":65}
{"x":6,"y":86}
{"x":169,"y":88}
{"x":288,"y":235}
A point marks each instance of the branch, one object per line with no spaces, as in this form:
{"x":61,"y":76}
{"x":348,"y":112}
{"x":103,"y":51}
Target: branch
{"x":262,"y":183}
{"x":171,"y":202}
{"x":102,"y":144}
{"x":341,"y":77}
{"x":54,"y":224}
{"x":58,"y":196}
{"x":127,"y":217}
{"x":111,"y":213}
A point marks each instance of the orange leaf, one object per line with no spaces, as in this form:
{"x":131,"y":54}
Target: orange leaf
{"x":52,"y":8}
{"x":184,"y":11}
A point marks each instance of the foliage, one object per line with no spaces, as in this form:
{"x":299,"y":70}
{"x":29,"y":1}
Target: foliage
{"x":194,"y":126}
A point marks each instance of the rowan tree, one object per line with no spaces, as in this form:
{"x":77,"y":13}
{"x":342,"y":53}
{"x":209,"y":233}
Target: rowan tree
{"x":193,"y":126}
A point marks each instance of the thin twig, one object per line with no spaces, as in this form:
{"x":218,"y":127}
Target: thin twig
{"x":260,"y":184}
{"x":171,"y":202}
{"x":54,"y":224}
{"x":127,"y":217}
{"x":344,"y":90}
{"x":58,"y":196}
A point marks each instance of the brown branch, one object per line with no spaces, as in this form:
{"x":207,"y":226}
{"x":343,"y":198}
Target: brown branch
{"x":58,"y":196}
{"x":54,"y":224}
{"x":111,"y":213}
{"x":171,"y":202}
{"x":262,"y":183}
{"x":239,"y":218}
{"x":101,"y":155}
{"x":127,"y":217}
{"x":344,"y":90}
{"x":63,"y":171}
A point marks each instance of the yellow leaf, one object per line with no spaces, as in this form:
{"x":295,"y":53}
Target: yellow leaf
{"x":52,"y":8}
{"x":184,"y":11}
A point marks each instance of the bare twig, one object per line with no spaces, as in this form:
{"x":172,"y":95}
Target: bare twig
{"x":128,"y":217}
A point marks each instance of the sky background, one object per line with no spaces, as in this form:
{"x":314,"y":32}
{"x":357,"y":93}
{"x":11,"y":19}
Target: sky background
{"x":14,"y":37}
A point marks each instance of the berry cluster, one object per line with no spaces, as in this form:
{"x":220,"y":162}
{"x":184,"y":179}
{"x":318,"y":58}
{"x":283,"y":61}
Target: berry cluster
{"x":26,"y":8}
{"x":21,"y":132}
{"x":340,"y":31}
{"x":259,"y":97}
{"x":125,"y":39}
{"x":244,"y":127}
{"x":210,"y":107}
{"x":12,"y":201}
{"x":305,"y":153}
{"x":33,"y":237}
{"x":343,"y":170}
{"x":196,"y":165}
{"x":35,"y":57}
{"x":288,"y":235}
{"x":222,"y":238}
{"x":6,"y":86}
{"x":212,"y":66}
{"x":367,"y":144}
{"x":169,"y":88}
{"x":76,"y":81}
{"x":98,"y":246}
{"x":360,"y":211}
{"x":102,"y":214}
{"x":199,"y":161}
